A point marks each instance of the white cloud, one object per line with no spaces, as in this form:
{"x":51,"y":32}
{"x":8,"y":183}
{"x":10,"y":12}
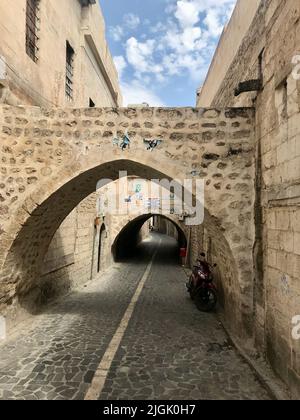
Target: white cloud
{"x":193,"y":64}
{"x":120,"y":64}
{"x":177,"y":45}
{"x":187,"y":40}
{"x":131,"y":20}
{"x":187,"y":13}
{"x":116,"y":32}
{"x":130,"y":23}
{"x":158,"y":27}
{"x":136,"y":93}
{"x":182,"y":43}
{"x":213,"y":22}
{"x":139,"y":54}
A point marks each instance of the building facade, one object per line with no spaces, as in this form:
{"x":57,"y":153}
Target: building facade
{"x":266,"y":54}
{"x":54,"y":53}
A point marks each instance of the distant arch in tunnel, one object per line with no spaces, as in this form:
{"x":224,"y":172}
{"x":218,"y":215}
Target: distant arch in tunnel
{"x":129,"y":235}
{"x":41,"y":214}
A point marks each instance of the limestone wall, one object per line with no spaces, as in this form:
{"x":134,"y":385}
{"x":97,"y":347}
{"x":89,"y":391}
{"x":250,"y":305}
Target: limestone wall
{"x":69,"y":259}
{"x":275,"y":33}
{"x":232,"y":36}
{"x":62,"y":248}
{"x":43,"y":83}
{"x":144,"y":232}
{"x":52,"y":159}
{"x":23,"y":81}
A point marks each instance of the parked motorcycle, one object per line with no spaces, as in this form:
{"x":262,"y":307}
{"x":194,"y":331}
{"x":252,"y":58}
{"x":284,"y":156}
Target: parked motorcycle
{"x":201,"y":286}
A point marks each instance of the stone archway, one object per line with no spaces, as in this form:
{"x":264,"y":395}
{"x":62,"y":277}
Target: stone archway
{"x":20,"y":279}
{"x":53,"y":159}
{"x":131,"y":228}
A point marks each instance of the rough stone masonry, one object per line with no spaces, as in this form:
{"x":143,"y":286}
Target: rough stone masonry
{"x":51,"y":159}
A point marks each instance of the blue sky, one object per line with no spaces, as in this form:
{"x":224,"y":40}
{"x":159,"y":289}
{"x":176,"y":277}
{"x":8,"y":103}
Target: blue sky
{"x":163,"y":48}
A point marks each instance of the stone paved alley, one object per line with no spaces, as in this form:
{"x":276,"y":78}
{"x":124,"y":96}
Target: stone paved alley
{"x":169,"y":350}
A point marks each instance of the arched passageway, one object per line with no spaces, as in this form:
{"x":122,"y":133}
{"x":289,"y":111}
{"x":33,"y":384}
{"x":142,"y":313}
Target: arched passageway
{"x":53,"y":159}
{"x":60,"y":155}
{"x":37,"y":219}
{"x":20,"y":280}
{"x":126,"y":243}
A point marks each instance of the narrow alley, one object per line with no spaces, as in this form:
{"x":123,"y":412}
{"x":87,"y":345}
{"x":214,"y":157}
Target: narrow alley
{"x":169,"y":349}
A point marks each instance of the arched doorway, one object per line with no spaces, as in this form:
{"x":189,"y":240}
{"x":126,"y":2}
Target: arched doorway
{"x":101,"y":248}
{"x":128,"y":239}
{"x":21,"y":269}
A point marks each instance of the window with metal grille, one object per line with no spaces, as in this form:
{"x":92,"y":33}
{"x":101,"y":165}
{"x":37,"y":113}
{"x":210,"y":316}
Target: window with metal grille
{"x":32,"y":28}
{"x":69,"y":71}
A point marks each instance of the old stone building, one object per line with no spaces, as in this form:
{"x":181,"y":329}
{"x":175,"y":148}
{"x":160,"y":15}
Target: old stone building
{"x":189,"y":136}
{"x":241,"y":143}
{"x":263,"y":45}
{"x":54,"y":53}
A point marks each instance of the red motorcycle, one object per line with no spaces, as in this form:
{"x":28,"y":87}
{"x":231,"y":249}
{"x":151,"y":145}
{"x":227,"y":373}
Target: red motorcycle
{"x":201,"y":286}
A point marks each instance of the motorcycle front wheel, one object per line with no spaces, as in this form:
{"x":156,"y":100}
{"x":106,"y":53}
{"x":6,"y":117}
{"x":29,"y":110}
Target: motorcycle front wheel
{"x":206,"y":300}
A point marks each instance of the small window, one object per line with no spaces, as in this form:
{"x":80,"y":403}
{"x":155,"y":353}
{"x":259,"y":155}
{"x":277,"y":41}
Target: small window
{"x":261,"y":65}
{"x":69,"y":71}
{"x":92,"y":103}
{"x":32,"y":28}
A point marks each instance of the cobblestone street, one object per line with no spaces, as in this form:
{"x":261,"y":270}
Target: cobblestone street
{"x":169,"y":350}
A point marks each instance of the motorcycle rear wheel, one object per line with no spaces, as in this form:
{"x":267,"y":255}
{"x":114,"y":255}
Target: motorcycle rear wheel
{"x":206,"y":301}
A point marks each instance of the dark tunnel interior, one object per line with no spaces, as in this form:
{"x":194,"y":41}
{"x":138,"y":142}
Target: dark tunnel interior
{"x":126,"y":245}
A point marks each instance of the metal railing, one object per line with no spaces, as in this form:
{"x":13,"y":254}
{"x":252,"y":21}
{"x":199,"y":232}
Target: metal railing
{"x":32,"y":28}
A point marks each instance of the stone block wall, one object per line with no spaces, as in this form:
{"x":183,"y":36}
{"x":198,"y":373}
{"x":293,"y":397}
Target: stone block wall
{"x":52,"y":159}
{"x":62,"y":246}
{"x":273,"y":40}
{"x":43,"y":82}
{"x":144,"y":232}
{"x":235,"y":30}
{"x":68,"y":261}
